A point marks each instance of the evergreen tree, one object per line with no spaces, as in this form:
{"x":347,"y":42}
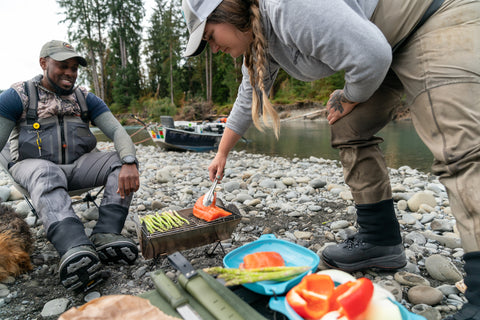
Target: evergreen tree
{"x":87,"y":26}
{"x":124,"y":63}
{"x":163,"y":50}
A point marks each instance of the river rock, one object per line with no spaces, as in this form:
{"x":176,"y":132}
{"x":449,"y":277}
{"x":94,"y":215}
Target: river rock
{"x":23,"y":209}
{"x":302,"y":234}
{"x":427,"y":311}
{"x":410,"y":279}
{"x":340,"y":224}
{"x":318,"y":183}
{"x":415,"y":237}
{"x":4,"y":193}
{"x":441,"y":225}
{"x":402,"y":205}
{"x":55,"y":307}
{"x":15,"y":194}
{"x":424,"y":295}
{"x":393,"y":287}
{"x":288,"y":181}
{"x":441,"y":268}
{"x":449,"y":240}
{"x":163,"y":175}
{"x":448,"y":289}
{"x":419,"y":198}
{"x":231,"y":186}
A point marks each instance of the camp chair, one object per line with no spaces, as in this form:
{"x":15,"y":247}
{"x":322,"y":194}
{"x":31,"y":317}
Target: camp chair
{"x":88,"y":196}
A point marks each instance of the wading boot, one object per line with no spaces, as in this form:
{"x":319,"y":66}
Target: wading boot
{"x":79,"y":268}
{"x":115,"y":248}
{"x":378,"y":244}
{"x":471,"y":309}
{"x":111,"y":246}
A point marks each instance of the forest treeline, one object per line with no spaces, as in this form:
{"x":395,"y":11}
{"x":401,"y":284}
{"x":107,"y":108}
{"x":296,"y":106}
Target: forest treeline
{"x":142,"y":70}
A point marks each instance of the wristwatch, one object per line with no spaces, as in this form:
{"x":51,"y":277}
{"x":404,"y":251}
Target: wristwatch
{"x":129,"y":160}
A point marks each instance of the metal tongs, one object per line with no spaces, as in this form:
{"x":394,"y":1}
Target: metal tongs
{"x":208,"y":199}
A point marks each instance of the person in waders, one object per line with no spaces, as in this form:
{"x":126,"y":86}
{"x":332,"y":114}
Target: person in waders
{"x":45,"y":121}
{"x":426,"y":51}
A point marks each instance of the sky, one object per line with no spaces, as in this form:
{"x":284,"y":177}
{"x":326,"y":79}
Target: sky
{"x":25,"y":26}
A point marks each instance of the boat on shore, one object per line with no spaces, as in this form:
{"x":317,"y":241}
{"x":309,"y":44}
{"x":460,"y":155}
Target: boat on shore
{"x":186,"y":135}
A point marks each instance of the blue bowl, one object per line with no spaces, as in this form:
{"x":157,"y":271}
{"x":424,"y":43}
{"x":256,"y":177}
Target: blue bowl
{"x":292,"y":254}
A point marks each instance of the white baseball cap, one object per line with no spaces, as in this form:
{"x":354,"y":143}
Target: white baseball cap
{"x":196,"y":13}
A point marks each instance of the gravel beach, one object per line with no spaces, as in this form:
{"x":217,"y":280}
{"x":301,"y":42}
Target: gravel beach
{"x":304,"y":201}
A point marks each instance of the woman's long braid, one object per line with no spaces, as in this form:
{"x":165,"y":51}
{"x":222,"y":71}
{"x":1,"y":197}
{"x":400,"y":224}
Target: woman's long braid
{"x":256,"y":78}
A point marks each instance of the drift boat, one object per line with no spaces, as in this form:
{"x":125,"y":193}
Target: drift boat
{"x":186,"y":136}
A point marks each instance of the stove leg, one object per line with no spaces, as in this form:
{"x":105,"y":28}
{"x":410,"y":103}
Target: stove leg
{"x":210,"y":252}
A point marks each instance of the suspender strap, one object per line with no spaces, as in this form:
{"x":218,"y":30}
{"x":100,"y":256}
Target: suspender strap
{"x":430,"y":10}
{"x":32,"y":94}
{"x":83,"y":104}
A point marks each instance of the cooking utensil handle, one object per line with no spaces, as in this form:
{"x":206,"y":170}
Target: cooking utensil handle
{"x":168,"y":290}
{"x":179,"y":262}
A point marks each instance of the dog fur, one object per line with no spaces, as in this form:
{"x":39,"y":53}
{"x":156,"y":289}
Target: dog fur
{"x":16,"y":243}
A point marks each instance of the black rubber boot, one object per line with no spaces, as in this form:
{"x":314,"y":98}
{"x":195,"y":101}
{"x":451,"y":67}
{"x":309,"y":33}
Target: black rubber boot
{"x":111,"y":218}
{"x":472,"y":279}
{"x":378,"y":244}
{"x":66,"y":234}
{"x":378,"y":223}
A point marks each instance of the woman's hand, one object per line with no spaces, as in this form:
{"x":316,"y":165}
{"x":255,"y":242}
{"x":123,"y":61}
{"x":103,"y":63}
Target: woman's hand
{"x":338,"y":106}
{"x":216,"y":167}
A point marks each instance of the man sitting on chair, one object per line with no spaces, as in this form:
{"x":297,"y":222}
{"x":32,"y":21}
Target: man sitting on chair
{"x":46,"y":122}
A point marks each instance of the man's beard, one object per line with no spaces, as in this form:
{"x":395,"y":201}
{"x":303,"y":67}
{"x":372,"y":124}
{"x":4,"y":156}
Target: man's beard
{"x":58,"y":90}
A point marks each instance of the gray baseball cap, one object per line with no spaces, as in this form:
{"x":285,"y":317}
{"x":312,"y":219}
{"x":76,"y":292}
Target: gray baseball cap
{"x":61,"y":51}
{"x":196,"y":13}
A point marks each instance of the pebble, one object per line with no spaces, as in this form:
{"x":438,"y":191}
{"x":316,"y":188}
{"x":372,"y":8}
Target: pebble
{"x":424,"y":295}
{"x":4,"y":193}
{"x":442,"y":269}
{"x":393,"y":287}
{"x":410,"y":279}
{"x":55,"y":307}
{"x":92,"y":295}
{"x":447,"y":289}
{"x":427,"y":311}
{"x":420,"y":198}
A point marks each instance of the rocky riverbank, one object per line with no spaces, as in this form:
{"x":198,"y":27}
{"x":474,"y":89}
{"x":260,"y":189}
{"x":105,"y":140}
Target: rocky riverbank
{"x":304,"y":201}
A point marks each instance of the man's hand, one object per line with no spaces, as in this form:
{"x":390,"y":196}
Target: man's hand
{"x":338,"y":106}
{"x":128,"y":180}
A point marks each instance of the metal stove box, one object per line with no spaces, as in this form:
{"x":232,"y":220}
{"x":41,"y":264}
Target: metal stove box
{"x":187,"y":236}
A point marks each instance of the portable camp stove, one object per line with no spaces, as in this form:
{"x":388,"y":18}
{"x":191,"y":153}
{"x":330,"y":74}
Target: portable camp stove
{"x":195,"y":234}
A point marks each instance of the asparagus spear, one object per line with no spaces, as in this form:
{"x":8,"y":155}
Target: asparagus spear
{"x":234,"y":276}
{"x":180,"y":217}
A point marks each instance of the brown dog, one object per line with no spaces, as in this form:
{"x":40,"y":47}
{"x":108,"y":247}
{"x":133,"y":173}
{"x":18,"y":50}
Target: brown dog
{"x":16,"y":243}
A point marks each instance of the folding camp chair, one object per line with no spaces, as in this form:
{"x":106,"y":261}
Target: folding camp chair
{"x":87,"y":194}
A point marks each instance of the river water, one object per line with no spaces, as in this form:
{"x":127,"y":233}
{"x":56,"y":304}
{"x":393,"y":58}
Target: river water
{"x":305,"y":138}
